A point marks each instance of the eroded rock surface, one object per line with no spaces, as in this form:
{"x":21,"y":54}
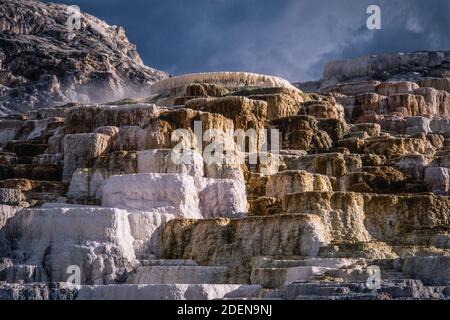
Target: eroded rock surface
{"x":128,"y":200}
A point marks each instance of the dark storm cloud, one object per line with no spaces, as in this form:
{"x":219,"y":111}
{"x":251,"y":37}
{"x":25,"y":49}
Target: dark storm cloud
{"x":289,"y":38}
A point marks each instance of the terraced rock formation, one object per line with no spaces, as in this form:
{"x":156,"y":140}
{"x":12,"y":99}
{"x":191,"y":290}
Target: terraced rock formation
{"x":354,"y":204}
{"x":96,"y":187}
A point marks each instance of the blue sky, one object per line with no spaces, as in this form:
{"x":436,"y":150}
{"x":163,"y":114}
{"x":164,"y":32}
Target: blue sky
{"x":288,"y":38}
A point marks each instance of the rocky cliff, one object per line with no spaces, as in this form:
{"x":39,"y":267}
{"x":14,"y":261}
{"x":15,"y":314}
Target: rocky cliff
{"x":417,"y":67}
{"x":48,"y":59}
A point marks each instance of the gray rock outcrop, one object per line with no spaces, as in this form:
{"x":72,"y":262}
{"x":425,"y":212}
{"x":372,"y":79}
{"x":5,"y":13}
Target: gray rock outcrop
{"x":45,"y":60}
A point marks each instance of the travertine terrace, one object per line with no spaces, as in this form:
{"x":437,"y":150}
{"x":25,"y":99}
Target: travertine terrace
{"x":361,"y":184}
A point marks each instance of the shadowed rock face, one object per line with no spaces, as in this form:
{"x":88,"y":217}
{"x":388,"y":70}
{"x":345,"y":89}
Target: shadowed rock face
{"x":42,"y":64}
{"x":235,"y":242}
{"x":391,"y":66}
{"x":363,"y":74}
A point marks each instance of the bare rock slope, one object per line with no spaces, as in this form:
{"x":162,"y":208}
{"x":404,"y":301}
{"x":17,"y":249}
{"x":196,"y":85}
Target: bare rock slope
{"x":45,"y":60}
{"x":359,"y":189}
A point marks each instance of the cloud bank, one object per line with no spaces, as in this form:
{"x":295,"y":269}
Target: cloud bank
{"x":288,"y":38}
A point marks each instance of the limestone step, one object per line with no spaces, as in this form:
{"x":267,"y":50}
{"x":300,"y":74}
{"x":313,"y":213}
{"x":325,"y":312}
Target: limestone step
{"x":278,"y":277}
{"x":413,"y":288}
{"x":320,"y":289}
{"x":35,"y":187}
{"x":274,"y":272}
{"x":391,"y":289}
{"x":349,"y":296}
{"x":22,"y":273}
{"x":297,"y":261}
{"x":145,"y":259}
{"x":294,"y":290}
{"x":25,"y":148}
{"x":169,"y":292}
{"x":359,"y":273}
{"x":348,"y":274}
{"x":188,"y":274}
{"x":392,"y":274}
{"x":274,"y":294}
{"x":37,"y":291}
{"x":172,"y":262}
